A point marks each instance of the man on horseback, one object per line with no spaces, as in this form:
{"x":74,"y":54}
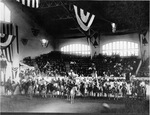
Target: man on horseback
{"x":71,"y":90}
{"x":115,"y":89}
{"x":30,"y":88}
{"x":106,"y":88}
{"x":142,"y":90}
{"x":72,"y":93}
{"x":124,"y":89}
{"x":8,"y":86}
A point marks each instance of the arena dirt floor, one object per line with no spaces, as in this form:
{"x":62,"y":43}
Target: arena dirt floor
{"x":22,"y":103}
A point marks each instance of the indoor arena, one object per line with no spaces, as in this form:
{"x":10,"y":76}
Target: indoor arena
{"x":74,"y":57}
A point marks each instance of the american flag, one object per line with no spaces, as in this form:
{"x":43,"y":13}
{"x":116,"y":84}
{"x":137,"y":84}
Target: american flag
{"x":8,"y":32}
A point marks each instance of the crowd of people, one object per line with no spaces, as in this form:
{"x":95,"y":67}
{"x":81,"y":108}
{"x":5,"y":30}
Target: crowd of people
{"x":58,"y":63}
{"x":59,"y":74}
{"x":44,"y":86}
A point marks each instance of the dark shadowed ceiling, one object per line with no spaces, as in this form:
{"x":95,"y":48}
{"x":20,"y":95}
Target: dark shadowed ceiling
{"x":58,"y":18}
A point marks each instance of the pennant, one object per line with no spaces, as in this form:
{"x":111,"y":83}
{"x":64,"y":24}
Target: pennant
{"x":24,"y":41}
{"x":35,"y":31}
{"x":144,"y":41}
{"x":85,"y":21}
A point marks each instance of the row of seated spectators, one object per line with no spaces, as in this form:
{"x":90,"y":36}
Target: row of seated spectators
{"x":56,"y":62}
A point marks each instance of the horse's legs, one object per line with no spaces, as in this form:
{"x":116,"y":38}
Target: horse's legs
{"x":71,"y":100}
{"x":96,"y":94}
{"x":103,"y":93}
{"x":108,"y":96}
{"x":5,"y":91}
{"x":117,"y":95}
{"x":67,"y":96}
{"x":114,"y":94}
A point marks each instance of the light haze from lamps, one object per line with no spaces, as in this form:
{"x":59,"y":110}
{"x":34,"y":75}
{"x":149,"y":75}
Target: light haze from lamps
{"x":44,"y":41}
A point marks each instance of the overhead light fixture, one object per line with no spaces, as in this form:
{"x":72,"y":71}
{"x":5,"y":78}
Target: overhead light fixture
{"x":44,"y":42}
{"x":113,"y":27}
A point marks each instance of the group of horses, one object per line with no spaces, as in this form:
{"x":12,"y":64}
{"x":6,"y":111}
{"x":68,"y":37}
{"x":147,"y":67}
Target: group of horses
{"x":49,"y":89}
{"x":70,"y":89}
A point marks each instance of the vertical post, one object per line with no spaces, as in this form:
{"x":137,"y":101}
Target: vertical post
{"x":17,"y":40}
{"x":140,"y":63}
{"x":12,"y":73}
{"x":140,"y":42}
{"x":4,"y":71}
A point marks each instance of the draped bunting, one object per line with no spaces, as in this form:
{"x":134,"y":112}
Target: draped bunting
{"x":85,"y":21}
{"x":7,"y":35}
{"x":6,"y":40}
{"x":30,"y":3}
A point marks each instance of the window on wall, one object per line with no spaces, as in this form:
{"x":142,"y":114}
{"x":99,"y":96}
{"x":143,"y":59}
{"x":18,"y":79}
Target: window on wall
{"x":122,"y":48}
{"x":4,"y":13}
{"x":78,"y":49}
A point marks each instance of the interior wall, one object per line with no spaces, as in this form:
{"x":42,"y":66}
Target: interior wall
{"x":134,"y":37}
{"x":63,"y":42}
{"x":59,"y":43}
{"x":34,"y":48}
{"x":25,"y":23}
{"x":103,"y":40}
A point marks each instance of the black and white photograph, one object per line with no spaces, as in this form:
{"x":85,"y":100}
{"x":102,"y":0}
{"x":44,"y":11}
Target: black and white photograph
{"x":74,"y":57}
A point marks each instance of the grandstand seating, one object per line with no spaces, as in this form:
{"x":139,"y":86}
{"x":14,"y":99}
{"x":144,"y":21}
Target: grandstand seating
{"x":55,"y":62}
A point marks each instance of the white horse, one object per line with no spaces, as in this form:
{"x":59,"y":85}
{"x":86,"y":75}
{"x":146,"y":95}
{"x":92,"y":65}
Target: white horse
{"x":72,"y":94}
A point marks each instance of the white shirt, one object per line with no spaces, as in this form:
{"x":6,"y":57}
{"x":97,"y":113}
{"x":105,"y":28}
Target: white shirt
{"x":142,"y":83}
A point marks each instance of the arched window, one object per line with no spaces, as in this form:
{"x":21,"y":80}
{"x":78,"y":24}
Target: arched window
{"x":4,"y":13}
{"x":79,"y":49}
{"x":123,"y":48}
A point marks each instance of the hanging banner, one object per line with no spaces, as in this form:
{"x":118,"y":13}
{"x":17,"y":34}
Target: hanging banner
{"x":7,"y":36}
{"x":6,"y":40}
{"x":85,"y":21}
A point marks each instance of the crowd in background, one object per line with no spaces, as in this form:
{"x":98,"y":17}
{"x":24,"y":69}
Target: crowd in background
{"x":57,"y":63}
{"x":55,"y":71}
{"x":32,"y":84}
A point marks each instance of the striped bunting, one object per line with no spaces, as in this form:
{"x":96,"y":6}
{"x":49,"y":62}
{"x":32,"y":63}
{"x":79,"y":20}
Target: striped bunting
{"x":6,"y":40}
{"x":8,"y":33}
{"x":30,"y":3}
{"x":84,"y":19}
